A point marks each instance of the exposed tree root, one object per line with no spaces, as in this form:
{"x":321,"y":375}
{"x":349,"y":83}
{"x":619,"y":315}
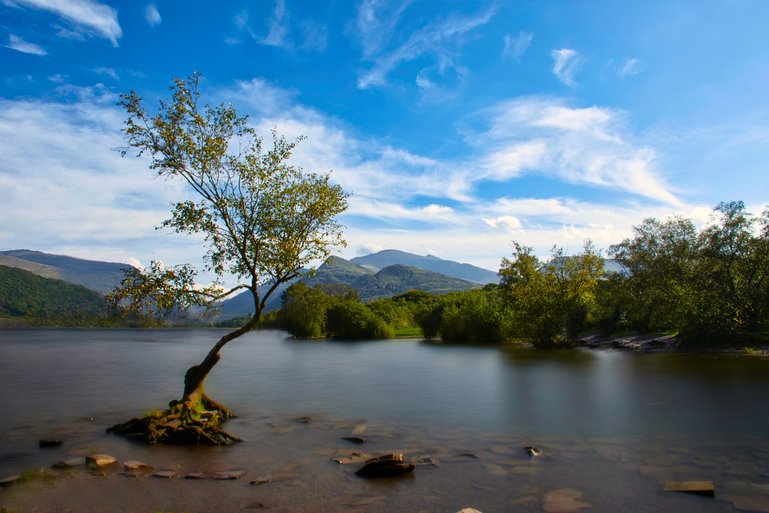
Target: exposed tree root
{"x":183,"y":423}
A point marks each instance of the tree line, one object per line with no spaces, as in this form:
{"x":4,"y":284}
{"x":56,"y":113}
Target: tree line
{"x":708,"y":286}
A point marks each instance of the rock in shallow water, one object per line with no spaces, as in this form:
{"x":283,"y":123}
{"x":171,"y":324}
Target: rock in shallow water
{"x":100,"y":460}
{"x":389,"y":465}
{"x":69,"y":463}
{"x":563,"y":500}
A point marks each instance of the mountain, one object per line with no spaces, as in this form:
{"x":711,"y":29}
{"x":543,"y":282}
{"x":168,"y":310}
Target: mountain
{"x":27,"y":296}
{"x":388,"y":257}
{"x":101,"y":277}
{"x":397,"y":279}
{"x":390,"y":281}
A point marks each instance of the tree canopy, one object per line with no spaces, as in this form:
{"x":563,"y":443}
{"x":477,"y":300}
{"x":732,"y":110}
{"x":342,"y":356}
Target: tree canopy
{"x":263,"y":222}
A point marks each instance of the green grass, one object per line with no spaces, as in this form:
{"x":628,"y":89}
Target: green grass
{"x":410,"y":332}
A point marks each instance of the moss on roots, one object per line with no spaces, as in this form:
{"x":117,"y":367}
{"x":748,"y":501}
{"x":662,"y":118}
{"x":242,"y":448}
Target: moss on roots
{"x":183,"y":423}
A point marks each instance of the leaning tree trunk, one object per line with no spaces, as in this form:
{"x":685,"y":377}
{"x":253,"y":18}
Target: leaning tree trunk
{"x":195,"y":419}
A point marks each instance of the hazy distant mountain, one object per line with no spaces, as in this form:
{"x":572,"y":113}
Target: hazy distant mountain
{"x":388,"y":257}
{"x":101,"y":277}
{"x":390,"y":281}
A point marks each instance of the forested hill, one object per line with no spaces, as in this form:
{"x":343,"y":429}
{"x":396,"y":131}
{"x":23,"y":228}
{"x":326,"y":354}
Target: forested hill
{"x":27,"y":297}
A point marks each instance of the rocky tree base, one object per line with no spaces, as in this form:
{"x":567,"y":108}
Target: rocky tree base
{"x":183,"y":423}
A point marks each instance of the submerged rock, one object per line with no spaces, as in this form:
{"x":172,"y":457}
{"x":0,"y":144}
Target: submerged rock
{"x":46,"y":443}
{"x":7,"y":481}
{"x":69,"y":463}
{"x":354,"y":439}
{"x":164,"y":474}
{"x":389,"y":465}
{"x":137,"y":465}
{"x":563,"y":500}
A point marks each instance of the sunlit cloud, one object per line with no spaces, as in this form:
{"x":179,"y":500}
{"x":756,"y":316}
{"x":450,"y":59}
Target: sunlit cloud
{"x":566,"y":63}
{"x":579,"y":145}
{"x":89,"y":15}
{"x":18,"y":44}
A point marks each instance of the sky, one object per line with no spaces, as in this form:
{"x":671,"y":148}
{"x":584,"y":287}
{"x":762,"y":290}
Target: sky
{"x":456,"y":126}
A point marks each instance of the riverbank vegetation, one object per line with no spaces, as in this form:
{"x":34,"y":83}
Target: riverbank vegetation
{"x":708,"y":287}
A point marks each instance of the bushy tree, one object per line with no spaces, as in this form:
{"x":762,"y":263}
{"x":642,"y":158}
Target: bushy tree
{"x":262,"y":221}
{"x":549,"y":302}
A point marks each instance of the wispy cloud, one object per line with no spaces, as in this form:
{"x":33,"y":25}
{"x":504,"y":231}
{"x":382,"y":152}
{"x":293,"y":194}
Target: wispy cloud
{"x":18,"y":44}
{"x":276,"y":35}
{"x":435,"y":39}
{"x":566,"y":63}
{"x":516,"y":46}
{"x":90,"y":15}
{"x":629,"y":68}
{"x":152,"y":15}
{"x":110,"y":72}
{"x":375,"y":23}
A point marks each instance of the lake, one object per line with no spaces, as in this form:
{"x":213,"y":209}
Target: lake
{"x":613,"y":426}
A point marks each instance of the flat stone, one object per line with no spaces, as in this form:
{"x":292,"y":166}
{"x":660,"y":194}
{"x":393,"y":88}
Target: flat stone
{"x":50,"y":443}
{"x":7,"y":481}
{"x":228,"y":474}
{"x":696,"y":487}
{"x":70,"y":463}
{"x":468,"y":510}
{"x":563,"y":500}
{"x":261,"y":480}
{"x":137,"y":465}
{"x":100,"y":460}
{"x":354,"y":439}
{"x":220,"y":475}
{"x":164,"y":474}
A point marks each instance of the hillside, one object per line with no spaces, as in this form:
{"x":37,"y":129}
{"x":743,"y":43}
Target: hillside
{"x":388,"y":257}
{"x":27,"y":296}
{"x":101,"y":277}
{"x":390,"y":281}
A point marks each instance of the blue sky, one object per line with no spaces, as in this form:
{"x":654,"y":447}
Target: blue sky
{"x":458,"y":126}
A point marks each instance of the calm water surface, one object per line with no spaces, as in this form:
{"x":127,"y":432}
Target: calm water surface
{"x":613,"y":425}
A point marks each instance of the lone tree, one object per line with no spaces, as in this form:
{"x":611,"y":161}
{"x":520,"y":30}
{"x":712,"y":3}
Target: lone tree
{"x":264,"y":222}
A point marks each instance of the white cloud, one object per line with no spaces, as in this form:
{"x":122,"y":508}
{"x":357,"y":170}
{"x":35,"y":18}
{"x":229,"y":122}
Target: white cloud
{"x":578,"y":145}
{"x":434,"y":39}
{"x":87,"y":14}
{"x":508,"y":223}
{"x":516,"y":46}
{"x":152,"y":15}
{"x":566,"y":63}
{"x":18,"y":44}
{"x":629,"y":68}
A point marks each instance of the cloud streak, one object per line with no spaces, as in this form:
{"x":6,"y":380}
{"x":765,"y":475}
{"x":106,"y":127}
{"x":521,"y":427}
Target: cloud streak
{"x":90,"y":15}
{"x":18,"y":44}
